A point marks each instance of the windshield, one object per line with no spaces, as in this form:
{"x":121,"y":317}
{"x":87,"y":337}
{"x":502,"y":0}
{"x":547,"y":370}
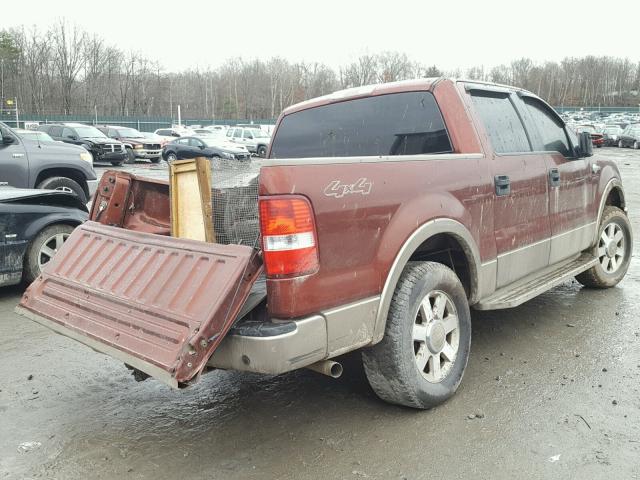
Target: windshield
{"x":43,"y":137}
{"x":129,"y":133}
{"x":89,"y":132}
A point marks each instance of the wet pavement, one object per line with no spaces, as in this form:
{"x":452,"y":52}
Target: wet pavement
{"x":552,"y":390}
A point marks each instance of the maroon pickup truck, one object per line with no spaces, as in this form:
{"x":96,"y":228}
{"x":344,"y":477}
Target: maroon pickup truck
{"x":385,"y":213}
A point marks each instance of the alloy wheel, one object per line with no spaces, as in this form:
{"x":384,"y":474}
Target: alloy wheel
{"x":611,"y":248}
{"x":50,"y":247}
{"x":436,"y":336}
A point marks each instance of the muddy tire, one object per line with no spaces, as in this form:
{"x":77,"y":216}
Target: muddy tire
{"x":42,"y":249}
{"x":64,"y":184}
{"x":613,"y":250}
{"x":421,"y":359}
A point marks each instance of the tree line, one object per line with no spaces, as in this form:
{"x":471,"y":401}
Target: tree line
{"x":66,"y":70}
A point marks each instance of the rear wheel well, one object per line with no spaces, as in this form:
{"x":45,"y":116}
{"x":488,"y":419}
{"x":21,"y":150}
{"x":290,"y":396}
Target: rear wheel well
{"x":74,"y":175}
{"x":615,"y":198}
{"x":446,"y":249}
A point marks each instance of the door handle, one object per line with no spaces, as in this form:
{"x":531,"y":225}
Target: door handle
{"x":503,"y":185}
{"x":17,"y":155}
{"x":554,"y":177}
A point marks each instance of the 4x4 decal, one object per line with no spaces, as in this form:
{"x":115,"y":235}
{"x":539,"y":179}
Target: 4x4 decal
{"x":336,"y":189}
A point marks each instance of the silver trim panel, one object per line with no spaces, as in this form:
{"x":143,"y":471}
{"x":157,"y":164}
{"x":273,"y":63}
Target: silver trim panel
{"x":277,"y":162}
{"x":351,"y":326}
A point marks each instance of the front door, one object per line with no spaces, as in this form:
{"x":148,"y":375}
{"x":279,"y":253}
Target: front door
{"x":14,"y":163}
{"x":521,"y":205}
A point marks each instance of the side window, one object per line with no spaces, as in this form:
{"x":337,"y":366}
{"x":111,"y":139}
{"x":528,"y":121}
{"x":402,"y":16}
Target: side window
{"x":182,"y":141}
{"x":237,"y":133}
{"x":163,"y":132}
{"x":550,"y":129}
{"x":194,"y":142}
{"x":55,"y":131}
{"x":501,"y":121}
{"x":112,"y":133}
{"x":247,"y":134}
{"x":67,"y":132}
{"x":230,"y":132}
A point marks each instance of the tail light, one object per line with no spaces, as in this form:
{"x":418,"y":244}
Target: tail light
{"x":288,"y":236}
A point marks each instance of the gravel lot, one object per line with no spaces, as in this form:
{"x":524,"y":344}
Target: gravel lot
{"x":551,"y":391}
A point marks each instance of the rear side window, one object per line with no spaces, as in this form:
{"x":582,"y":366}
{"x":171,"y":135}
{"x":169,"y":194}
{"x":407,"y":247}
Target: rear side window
{"x":550,"y":129}
{"x":501,"y":122}
{"x":407,"y":123}
{"x":55,"y":131}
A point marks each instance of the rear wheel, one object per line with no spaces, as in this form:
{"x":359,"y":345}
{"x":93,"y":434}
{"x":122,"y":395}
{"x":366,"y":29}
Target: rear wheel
{"x":64,"y":184}
{"x":262,"y":151}
{"x":43,"y":248}
{"x":421,"y":359}
{"x":613,"y":251}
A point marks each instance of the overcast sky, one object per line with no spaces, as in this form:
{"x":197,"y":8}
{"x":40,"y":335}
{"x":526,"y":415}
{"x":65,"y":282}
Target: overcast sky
{"x":450,"y":34}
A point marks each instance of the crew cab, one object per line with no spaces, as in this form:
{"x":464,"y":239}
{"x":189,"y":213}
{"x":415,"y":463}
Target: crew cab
{"x":386,"y":212}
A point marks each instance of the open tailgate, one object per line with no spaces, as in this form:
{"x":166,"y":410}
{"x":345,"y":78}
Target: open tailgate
{"x":159,"y":304}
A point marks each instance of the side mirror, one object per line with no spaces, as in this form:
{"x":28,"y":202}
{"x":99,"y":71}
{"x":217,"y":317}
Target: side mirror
{"x":201,"y":147}
{"x":586,"y":145}
{"x":72,"y":137}
{"x":7,"y":140}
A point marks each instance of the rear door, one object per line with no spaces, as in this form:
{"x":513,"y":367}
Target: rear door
{"x":521,"y":202}
{"x":160,"y":304}
{"x":572,"y":209}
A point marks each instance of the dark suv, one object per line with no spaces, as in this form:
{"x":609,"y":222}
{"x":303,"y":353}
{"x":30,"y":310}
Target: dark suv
{"x":103,"y":148}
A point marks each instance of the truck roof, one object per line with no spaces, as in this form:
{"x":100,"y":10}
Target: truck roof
{"x":418,"y":84}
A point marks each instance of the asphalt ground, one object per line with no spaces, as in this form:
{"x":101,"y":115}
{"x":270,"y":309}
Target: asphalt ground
{"x":551,"y":391}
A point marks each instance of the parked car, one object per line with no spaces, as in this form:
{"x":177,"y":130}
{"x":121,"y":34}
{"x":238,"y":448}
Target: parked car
{"x":596,"y":138}
{"x":33,"y":135}
{"x":136,"y":145}
{"x":256,"y":140}
{"x":102,"y":148}
{"x":610,"y":134}
{"x":191,"y":147}
{"x":29,"y":163}
{"x":174,"y":132}
{"x":384,"y":214}
{"x":33,"y":226}
{"x":630,"y":137}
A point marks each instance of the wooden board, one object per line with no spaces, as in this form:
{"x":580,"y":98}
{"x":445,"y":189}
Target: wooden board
{"x":190,"y":195}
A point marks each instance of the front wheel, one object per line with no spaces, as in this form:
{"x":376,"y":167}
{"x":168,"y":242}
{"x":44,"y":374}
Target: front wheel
{"x":262,"y":151}
{"x":64,"y":184}
{"x":613,"y":251}
{"x":171,"y":157}
{"x":620,"y":145}
{"x":421,"y":359}
{"x":43,"y":248}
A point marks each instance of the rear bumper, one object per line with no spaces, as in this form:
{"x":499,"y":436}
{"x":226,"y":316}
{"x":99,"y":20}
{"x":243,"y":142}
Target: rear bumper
{"x":318,"y":337}
{"x":305,"y":345}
